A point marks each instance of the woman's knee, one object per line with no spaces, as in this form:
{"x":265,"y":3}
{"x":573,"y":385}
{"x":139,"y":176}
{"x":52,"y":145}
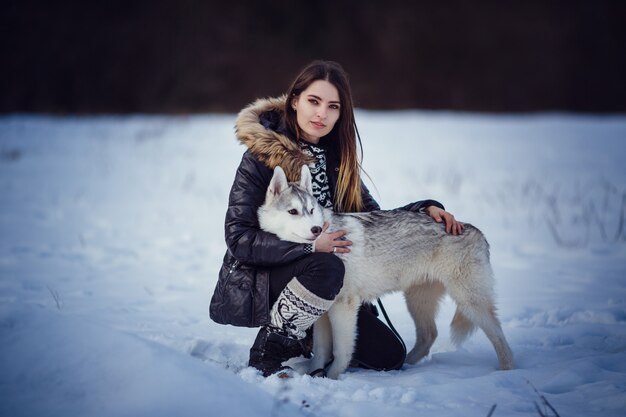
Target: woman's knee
{"x":330,"y":262}
{"x":324,"y":275}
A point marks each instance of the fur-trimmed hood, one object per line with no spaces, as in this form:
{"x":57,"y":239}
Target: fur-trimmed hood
{"x":267,"y":145}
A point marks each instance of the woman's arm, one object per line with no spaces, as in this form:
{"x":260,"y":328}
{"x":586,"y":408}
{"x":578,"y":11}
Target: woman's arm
{"x":244,"y":238}
{"x":422,"y":205}
{"x":437,"y":211}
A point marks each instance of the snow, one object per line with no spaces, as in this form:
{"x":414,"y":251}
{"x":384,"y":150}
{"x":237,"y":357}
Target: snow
{"x":111,"y":237}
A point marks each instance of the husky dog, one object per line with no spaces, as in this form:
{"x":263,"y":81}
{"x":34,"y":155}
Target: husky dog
{"x":393,"y":250}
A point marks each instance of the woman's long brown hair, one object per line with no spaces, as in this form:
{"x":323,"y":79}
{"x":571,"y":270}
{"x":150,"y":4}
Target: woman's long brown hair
{"x":347,"y":196}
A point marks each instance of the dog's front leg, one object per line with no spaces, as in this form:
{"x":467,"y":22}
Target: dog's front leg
{"x":322,"y":344}
{"x":343,"y":319}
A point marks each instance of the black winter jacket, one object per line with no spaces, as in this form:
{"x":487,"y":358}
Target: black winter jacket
{"x":241,"y":296}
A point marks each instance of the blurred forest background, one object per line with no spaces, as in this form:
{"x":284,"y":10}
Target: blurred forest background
{"x":187,"y":56}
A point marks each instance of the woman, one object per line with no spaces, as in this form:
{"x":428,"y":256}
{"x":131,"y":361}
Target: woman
{"x":285,"y":287}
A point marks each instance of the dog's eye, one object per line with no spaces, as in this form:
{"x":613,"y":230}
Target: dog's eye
{"x":311,"y":211}
{"x":293,"y":212}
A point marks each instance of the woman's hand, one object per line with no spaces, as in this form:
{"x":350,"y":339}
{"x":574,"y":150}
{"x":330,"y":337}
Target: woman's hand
{"x":327,"y":242}
{"x":452,"y":225}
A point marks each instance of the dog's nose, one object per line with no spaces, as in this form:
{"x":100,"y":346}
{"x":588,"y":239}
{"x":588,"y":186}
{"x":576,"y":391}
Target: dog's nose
{"x":316,"y":230}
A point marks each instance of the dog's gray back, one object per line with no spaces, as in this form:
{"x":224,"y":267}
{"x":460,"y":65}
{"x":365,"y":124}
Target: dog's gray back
{"x":393,"y":246}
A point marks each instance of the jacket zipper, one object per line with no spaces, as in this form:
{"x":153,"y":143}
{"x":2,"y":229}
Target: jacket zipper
{"x":233,"y":267}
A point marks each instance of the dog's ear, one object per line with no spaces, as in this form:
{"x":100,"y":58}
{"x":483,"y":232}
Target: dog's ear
{"x":278,"y":184}
{"x":305,"y":179}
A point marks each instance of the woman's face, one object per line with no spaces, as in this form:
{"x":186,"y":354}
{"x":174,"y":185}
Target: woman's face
{"x":317,"y":110}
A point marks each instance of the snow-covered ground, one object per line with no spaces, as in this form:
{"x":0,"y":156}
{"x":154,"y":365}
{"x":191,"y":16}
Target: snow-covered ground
{"x":111,"y":237}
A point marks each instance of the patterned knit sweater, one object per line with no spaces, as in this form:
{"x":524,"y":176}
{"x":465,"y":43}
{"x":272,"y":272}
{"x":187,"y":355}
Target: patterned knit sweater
{"x":321,"y":190}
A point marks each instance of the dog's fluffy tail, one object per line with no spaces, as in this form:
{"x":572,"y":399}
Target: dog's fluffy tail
{"x":461,"y":328}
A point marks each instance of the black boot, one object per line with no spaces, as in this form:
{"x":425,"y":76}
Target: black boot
{"x":271,"y":348}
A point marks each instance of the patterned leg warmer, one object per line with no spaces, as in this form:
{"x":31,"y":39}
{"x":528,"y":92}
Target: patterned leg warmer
{"x":296,"y":309}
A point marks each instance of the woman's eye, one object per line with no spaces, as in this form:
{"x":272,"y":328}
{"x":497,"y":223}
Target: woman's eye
{"x":293,"y":212}
{"x":334,"y":107}
{"x":312,"y":101}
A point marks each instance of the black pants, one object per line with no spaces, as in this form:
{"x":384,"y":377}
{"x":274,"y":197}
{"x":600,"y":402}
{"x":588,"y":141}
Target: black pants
{"x":377,"y":347}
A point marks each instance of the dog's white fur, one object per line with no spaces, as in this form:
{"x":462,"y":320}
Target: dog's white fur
{"x":393,"y":250}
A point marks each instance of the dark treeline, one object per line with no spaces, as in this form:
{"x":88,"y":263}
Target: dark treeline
{"x":196,"y":56}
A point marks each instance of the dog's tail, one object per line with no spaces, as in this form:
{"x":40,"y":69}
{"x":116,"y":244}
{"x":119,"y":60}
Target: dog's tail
{"x":461,"y":328}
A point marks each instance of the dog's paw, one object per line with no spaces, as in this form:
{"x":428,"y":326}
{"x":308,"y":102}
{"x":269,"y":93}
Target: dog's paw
{"x":334,"y":372}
